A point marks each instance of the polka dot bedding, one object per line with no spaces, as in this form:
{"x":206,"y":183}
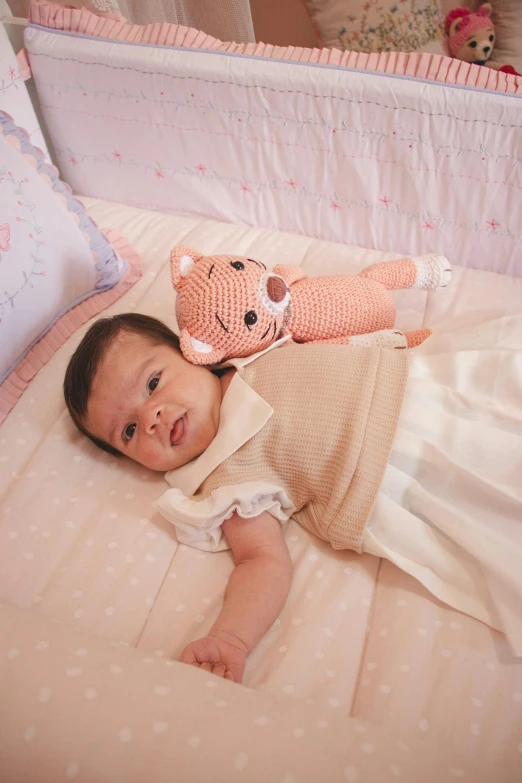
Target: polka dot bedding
{"x":363,"y":677}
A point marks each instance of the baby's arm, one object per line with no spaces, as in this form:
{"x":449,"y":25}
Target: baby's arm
{"x":255,"y":594}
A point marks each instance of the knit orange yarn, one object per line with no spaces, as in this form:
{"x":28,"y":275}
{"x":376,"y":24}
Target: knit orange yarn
{"x":232,"y":306}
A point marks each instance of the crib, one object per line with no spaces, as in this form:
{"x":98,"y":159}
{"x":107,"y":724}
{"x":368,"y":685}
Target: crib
{"x":329,"y":160}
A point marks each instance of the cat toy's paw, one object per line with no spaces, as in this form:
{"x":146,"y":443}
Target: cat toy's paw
{"x":385,"y":338}
{"x":433,"y":272}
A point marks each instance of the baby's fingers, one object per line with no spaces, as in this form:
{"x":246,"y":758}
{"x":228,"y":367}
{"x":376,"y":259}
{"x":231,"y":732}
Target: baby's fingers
{"x":219,"y":669}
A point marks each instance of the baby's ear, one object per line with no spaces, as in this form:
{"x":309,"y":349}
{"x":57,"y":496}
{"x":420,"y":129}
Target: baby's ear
{"x":182,"y":260}
{"x":198,"y":352}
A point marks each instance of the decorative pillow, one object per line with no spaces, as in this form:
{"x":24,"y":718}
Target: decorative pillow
{"x":376,"y":25}
{"x":53,"y":259}
{"x":14,"y":97}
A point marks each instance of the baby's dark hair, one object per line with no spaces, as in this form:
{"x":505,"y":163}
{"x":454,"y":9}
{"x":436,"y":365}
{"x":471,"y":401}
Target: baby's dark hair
{"x":89,"y":354}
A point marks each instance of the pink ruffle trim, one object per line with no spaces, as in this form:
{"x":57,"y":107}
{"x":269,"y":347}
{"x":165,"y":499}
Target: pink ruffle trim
{"x":434,"y":67}
{"x":24,"y":64}
{"x":16,"y":383}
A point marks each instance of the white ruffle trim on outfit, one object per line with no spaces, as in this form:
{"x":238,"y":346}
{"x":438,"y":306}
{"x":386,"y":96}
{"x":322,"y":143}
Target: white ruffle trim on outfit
{"x":198,"y":523}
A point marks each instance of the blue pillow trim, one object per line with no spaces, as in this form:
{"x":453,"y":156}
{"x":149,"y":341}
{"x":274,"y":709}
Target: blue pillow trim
{"x":110,"y":268}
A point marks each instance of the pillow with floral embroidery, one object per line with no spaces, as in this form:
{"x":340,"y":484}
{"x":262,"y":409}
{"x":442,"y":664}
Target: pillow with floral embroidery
{"x":54,"y":262}
{"x":14,"y":97}
{"x":377,"y":25}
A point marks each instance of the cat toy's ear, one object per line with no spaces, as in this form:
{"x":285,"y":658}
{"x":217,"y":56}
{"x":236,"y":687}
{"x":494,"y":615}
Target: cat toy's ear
{"x":198,"y":352}
{"x":182,"y":262}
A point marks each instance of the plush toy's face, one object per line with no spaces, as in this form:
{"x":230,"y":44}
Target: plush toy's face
{"x":478,"y":47}
{"x":227,"y":306}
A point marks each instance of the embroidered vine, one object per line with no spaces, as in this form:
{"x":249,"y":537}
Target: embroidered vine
{"x":27,"y":216}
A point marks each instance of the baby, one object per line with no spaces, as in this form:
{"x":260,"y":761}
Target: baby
{"x":418,"y":464}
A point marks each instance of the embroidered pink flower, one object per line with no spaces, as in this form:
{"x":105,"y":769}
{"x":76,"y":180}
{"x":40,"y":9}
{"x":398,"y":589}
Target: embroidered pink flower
{"x":335,"y":205}
{"x":385,"y":201}
{"x":117,"y":155}
{"x":73,"y":160}
{"x":493,"y":224}
{"x":11,"y":72}
{"x":291,"y":183}
{"x":201,"y":168}
{"x":5,"y":237}
{"x":159,"y":173}
{"x":245,"y":189}
{"x":428,"y":225}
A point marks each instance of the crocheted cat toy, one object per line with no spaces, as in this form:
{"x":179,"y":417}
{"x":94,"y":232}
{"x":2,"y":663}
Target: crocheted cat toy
{"x":471,"y":37}
{"x":231,"y":306}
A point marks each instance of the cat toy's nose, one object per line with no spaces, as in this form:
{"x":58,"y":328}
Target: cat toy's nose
{"x":276,"y":288}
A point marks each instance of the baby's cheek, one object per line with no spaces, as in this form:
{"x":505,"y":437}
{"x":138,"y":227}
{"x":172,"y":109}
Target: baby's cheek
{"x":151,"y":457}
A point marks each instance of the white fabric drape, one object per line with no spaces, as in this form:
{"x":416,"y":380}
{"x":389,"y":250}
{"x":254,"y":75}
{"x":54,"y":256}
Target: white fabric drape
{"x":229,"y":20}
{"x":19,"y":7}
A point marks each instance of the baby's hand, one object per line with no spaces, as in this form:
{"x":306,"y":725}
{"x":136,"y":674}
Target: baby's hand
{"x":223,"y":657}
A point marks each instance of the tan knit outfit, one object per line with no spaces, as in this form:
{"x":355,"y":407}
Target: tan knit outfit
{"x":327,"y":444}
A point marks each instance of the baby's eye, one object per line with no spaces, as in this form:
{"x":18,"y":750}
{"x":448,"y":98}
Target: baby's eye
{"x":153,"y":383}
{"x":128,"y":432}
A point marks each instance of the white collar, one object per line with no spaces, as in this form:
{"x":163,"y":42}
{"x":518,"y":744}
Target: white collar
{"x":242,"y":415}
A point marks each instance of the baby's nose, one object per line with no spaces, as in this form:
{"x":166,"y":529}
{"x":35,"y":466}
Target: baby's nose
{"x":151,"y":417}
{"x":276,"y":288}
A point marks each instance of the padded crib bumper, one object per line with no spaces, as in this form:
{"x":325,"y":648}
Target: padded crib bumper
{"x":396,"y":163}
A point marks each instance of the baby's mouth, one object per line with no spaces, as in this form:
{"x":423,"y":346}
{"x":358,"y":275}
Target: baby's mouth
{"x":177,"y":432}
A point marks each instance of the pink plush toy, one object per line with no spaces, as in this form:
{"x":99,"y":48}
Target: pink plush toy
{"x":471,"y":37}
{"x":231,"y":306}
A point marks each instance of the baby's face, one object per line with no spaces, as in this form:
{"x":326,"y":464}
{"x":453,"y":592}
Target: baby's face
{"x":152,"y":405}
